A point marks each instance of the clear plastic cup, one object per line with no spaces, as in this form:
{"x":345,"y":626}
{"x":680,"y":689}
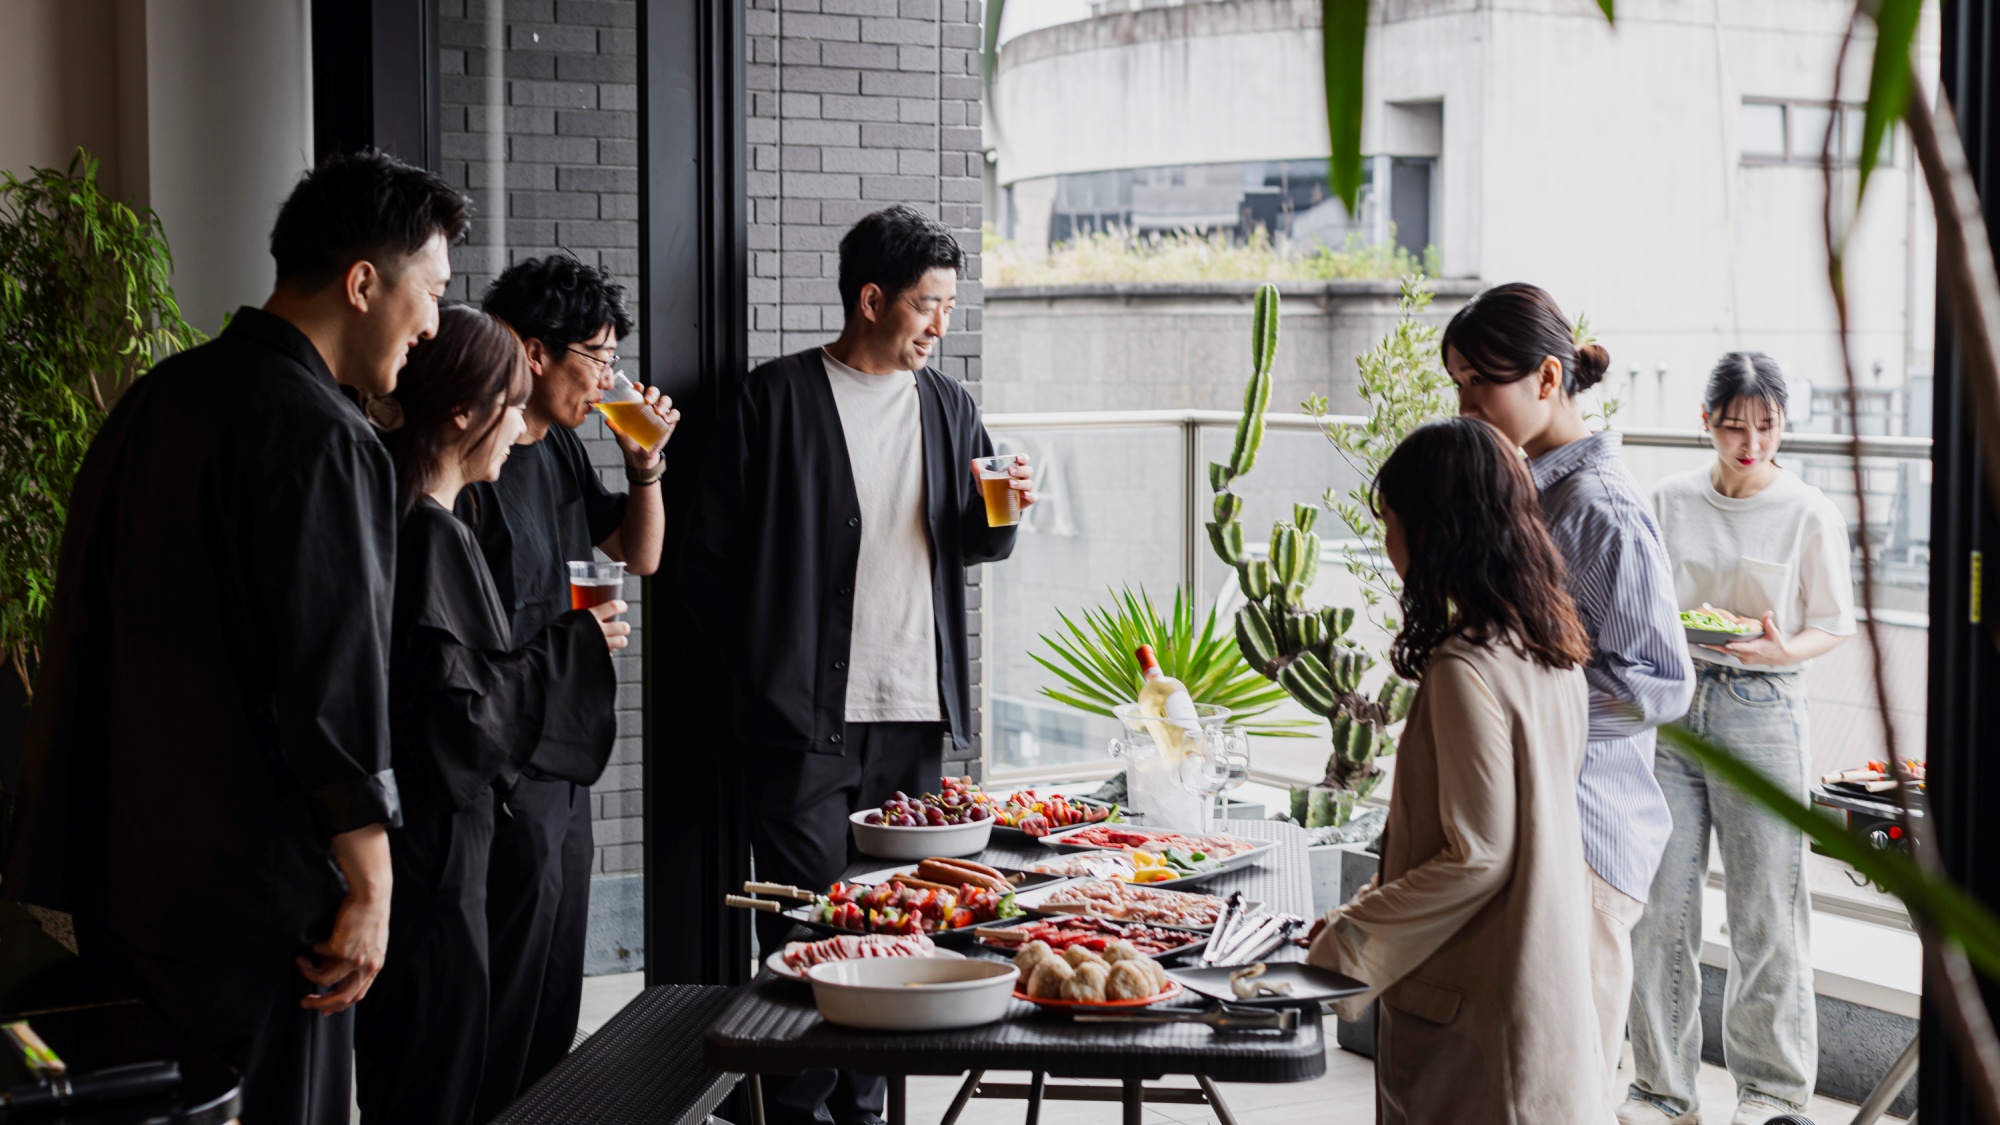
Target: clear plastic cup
{"x":594,"y":583}
{"x":1003,"y":500}
{"x":626,"y":411}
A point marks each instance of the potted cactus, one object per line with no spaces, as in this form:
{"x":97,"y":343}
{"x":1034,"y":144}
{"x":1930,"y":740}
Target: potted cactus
{"x":1304,"y":648}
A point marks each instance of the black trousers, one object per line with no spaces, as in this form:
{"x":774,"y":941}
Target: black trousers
{"x":537,"y":917}
{"x":799,"y":835}
{"x":296,"y":1064}
{"x":420,"y":1037}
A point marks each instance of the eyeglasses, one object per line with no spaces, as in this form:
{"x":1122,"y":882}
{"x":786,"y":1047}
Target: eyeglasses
{"x":600,"y":361}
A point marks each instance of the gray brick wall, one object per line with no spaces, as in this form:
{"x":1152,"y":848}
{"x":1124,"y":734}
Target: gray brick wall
{"x":855,"y":105}
{"x":540,"y":120}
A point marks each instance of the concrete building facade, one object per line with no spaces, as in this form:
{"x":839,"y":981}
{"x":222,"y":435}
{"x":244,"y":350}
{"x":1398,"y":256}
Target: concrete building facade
{"x":1660,"y":176}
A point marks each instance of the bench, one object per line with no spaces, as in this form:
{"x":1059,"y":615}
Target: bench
{"x":642,"y":1068}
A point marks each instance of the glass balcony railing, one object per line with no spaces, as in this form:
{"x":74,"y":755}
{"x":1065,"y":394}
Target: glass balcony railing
{"x":1123,"y":497}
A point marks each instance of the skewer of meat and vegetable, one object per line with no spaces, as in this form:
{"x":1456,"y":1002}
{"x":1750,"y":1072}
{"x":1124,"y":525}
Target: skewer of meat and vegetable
{"x":904,"y":905}
{"x":1038,"y":814}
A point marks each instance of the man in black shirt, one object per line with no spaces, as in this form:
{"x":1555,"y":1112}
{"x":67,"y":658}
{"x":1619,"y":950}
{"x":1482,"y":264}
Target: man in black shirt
{"x":826,"y":559}
{"x":206,"y":786}
{"x":549,"y":509}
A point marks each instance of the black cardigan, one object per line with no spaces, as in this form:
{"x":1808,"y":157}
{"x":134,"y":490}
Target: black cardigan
{"x":772,"y":545}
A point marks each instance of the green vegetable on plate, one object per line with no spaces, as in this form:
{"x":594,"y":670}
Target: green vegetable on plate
{"x":1713,"y":621}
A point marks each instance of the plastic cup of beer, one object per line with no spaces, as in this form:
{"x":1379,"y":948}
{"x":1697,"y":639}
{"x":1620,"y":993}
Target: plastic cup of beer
{"x":626,"y":410}
{"x":1003,"y":500}
{"x":594,"y":583}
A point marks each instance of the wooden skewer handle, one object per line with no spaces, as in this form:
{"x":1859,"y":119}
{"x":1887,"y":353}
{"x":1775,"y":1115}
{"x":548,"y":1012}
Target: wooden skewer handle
{"x":748,"y":903}
{"x":779,"y":889}
{"x":1011,"y":935}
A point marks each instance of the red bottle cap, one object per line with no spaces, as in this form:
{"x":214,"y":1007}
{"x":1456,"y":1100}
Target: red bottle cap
{"x":1147,"y":663}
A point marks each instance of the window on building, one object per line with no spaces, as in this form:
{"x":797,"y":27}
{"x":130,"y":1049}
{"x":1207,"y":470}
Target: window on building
{"x":1771,"y":131}
{"x":1761,"y":130}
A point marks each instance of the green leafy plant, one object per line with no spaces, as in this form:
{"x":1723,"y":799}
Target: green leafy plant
{"x":1303,"y":648}
{"x":86,"y":306}
{"x":1403,"y":381}
{"x":1121,"y":256}
{"x":1093,"y":656}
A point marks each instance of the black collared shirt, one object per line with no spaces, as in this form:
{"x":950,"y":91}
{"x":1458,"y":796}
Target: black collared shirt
{"x":212,"y":703}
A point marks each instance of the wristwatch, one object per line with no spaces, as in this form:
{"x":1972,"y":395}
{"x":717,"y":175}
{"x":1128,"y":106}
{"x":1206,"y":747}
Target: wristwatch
{"x":643,"y":477}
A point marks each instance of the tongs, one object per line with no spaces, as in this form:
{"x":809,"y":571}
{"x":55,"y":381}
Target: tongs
{"x":1218,"y":938}
{"x":1223,"y":1016}
{"x":1254,"y":938}
{"x":796,"y":894}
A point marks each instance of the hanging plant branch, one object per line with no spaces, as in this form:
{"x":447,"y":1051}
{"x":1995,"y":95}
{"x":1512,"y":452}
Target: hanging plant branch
{"x":1949,"y":937}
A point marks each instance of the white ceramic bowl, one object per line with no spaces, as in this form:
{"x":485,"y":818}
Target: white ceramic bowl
{"x":889,"y":842}
{"x":912,"y":993}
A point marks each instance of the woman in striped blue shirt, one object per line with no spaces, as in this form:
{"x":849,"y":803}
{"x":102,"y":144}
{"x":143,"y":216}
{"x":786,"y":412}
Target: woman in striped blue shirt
{"x":1517,"y":365}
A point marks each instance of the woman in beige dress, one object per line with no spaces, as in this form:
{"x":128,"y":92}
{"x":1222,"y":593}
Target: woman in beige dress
{"x":1474,"y":936}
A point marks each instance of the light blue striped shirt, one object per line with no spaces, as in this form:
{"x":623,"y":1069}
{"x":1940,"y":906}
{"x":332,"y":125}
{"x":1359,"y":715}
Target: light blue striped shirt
{"x":1639,"y":674}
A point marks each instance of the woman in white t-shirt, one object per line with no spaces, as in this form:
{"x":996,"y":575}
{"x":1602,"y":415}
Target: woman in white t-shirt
{"x":1747,"y":537}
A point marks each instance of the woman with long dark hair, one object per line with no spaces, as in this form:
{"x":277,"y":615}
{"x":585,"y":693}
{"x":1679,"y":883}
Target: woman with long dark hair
{"x":1751,"y":540}
{"x":1518,"y":365}
{"x":467,"y":711}
{"x":1474,"y":936}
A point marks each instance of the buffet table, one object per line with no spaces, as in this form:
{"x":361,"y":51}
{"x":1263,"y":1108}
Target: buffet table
{"x":773,"y":1027}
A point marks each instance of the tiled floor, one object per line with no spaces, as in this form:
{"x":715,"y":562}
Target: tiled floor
{"x":1343,"y":1096}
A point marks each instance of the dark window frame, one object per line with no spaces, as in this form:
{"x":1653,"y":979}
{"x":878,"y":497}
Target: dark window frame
{"x":1964,"y":720}
{"x":376,"y":81}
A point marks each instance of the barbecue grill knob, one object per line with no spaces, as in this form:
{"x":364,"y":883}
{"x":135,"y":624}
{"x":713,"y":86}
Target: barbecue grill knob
{"x":1879,"y":840}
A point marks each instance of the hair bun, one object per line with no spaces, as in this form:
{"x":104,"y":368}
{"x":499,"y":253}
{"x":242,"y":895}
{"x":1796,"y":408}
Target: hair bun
{"x":1592,"y":361}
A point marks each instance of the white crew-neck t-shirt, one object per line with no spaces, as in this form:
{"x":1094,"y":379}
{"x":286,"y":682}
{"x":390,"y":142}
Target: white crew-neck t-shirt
{"x":892,"y":671}
{"x":1784,"y":550}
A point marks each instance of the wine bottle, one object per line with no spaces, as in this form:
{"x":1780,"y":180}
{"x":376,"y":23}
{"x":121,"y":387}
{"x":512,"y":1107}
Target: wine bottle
{"x":1166,"y":706}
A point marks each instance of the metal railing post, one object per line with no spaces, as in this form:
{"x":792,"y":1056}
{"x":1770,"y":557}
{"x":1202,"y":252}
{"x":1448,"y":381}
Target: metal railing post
{"x":1191,"y":510}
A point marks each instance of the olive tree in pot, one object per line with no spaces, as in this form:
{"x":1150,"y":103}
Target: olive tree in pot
{"x":86,"y":307}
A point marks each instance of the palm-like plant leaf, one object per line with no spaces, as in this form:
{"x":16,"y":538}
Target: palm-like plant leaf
{"x":1092,"y":656}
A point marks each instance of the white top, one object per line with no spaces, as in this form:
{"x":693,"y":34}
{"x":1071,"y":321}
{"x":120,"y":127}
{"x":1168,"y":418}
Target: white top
{"x":1784,"y":550}
{"x":892,"y":670}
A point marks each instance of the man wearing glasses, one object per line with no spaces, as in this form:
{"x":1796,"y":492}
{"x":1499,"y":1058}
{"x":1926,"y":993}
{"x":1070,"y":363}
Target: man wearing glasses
{"x":549,"y":509}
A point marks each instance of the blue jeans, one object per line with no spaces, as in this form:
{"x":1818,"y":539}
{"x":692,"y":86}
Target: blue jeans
{"x":1770,"y":1035}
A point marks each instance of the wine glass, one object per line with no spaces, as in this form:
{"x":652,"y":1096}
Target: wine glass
{"x":1231,"y":758}
{"x":1214,"y":761}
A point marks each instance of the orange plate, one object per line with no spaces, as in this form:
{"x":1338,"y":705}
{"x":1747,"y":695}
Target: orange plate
{"x":1170,"y":992}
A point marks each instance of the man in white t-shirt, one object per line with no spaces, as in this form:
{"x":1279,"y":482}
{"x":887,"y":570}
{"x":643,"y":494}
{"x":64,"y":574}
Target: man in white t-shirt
{"x":826,"y":561}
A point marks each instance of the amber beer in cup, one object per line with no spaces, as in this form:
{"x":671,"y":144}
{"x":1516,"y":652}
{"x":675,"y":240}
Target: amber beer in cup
{"x":628,"y":412}
{"x":594,"y":583}
{"x":1003,"y":500}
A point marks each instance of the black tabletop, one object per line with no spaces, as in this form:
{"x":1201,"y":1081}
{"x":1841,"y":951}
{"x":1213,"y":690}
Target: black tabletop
{"x":773,"y":1027}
